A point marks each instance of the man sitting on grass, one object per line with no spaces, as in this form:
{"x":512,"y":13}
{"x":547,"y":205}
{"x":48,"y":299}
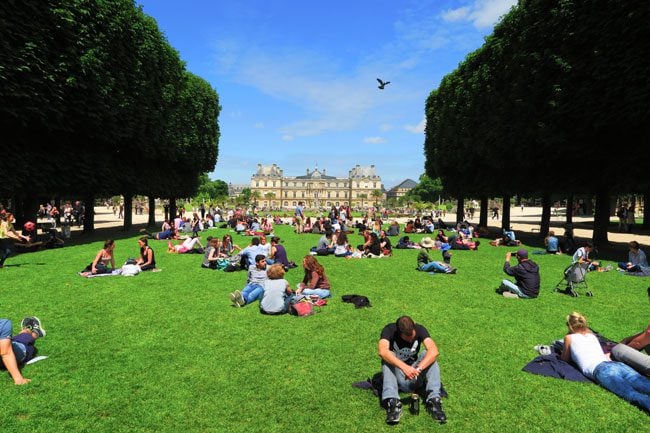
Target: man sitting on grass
{"x":425,"y":264}
{"x":526,"y":274}
{"x":19,"y":349}
{"x":404,"y":370}
{"x":254,"y":288}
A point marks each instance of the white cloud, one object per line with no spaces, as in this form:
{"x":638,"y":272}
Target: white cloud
{"x":454,"y":15}
{"x":374,"y":140}
{"x":287,"y":137}
{"x":417,"y":129}
{"x":481,"y":13}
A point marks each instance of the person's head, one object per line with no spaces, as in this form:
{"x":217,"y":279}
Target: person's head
{"x":275,"y":272}
{"x":406,"y":328}
{"x":551,"y":233}
{"x":522,"y":254}
{"x":311,"y":264}
{"x":143,"y":241}
{"x":255,"y":241}
{"x":589,"y":247}
{"x":260,"y":261}
{"x":427,"y":243}
{"x":109,"y":244}
{"x":576,"y":322}
{"x":214,"y":242}
{"x":328,"y":234}
{"x":263,"y":240}
{"x":634,"y":245}
{"x":275,"y":240}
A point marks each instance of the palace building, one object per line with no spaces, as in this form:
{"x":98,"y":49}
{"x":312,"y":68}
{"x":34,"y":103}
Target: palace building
{"x":362,"y":187}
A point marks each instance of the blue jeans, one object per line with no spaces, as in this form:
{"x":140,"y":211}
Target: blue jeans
{"x":395,"y":381}
{"x":6,"y":246}
{"x":20,"y":351}
{"x":323,"y":293}
{"x":634,"y":268}
{"x":433,"y":267}
{"x":252,"y":293}
{"x":5,"y":329}
{"x":512,"y":287}
{"x":625,"y":382}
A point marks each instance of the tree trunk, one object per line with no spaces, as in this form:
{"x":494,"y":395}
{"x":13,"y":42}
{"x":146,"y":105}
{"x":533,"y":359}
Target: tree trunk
{"x":569,"y":209}
{"x":483,"y":217}
{"x":89,"y":214}
{"x":505,"y":213}
{"x":172,"y":209}
{"x":152,"y":212}
{"x":601,"y":217}
{"x":128,"y":211}
{"x":460,"y":210}
{"x":546,"y":215}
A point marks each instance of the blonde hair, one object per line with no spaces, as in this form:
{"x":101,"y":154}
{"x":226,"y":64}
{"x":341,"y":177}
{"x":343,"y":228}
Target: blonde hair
{"x":275,"y":272}
{"x":576,"y":321}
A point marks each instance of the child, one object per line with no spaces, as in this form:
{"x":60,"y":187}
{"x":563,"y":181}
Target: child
{"x":19,"y":349}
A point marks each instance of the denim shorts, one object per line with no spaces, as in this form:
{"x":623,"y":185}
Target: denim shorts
{"x":5,"y":329}
{"x":20,"y":351}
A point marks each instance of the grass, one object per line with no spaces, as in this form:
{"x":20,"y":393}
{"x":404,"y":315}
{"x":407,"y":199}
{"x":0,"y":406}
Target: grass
{"x":166,"y":352}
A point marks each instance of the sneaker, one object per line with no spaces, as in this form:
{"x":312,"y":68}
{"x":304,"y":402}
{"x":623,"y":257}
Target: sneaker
{"x":507,"y":294}
{"x":393,"y":411}
{"x":239,"y":299}
{"x":434,"y":407}
{"x":33,"y":323}
{"x":233,"y":299}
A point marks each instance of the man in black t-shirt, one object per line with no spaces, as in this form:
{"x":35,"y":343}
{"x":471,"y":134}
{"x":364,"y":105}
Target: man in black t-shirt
{"x":406,"y":368}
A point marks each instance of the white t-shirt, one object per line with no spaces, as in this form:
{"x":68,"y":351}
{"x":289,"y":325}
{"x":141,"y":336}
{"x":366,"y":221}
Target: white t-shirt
{"x":587,"y":353}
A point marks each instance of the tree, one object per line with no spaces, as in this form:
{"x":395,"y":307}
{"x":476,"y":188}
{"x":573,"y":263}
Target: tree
{"x":427,"y":189}
{"x":362,"y":196}
{"x":377,"y":194}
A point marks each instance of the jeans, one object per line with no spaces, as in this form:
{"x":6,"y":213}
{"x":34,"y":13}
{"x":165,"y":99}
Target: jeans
{"x":633,"y":268}
{"x":5,"y":329}
{"x":433,"y":267}
{"x":395,"y":381}
{"x":625,"y":382}
{"x":252,"y":293}
{"x":512,"y":287}
{"x":6,"y":245}
{"x":20,"y":351}
{"x":323,"y":293}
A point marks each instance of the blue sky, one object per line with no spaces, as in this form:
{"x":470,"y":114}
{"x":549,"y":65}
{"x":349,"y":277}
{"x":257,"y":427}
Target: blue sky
{"x":297,"y":78}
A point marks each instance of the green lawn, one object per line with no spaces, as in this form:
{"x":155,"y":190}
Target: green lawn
{"x":166,"y":352}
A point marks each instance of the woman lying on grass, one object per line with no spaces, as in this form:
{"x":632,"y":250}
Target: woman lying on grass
{"x":186,"y":247}
{"x":582,"y":346}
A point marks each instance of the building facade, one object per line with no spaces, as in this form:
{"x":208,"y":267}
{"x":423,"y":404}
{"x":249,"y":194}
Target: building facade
{"x":316,"y":189}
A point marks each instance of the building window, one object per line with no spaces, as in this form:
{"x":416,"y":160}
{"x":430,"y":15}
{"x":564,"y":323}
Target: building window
{"x":286,"y":203}
{"x":257,"y":183}
{"x":285,"y":195}
{"x":294,"y":194}
{"x":302,"y":194}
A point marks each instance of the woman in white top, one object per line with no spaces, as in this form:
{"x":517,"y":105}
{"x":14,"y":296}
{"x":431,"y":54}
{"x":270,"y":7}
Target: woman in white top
{"x":582,"y":346}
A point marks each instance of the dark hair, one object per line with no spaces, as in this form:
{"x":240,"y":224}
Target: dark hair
{"x":275,"y":240}
{"x":255,"y":241}
{"x":259,"y":258}
{"x":108,"y":243}
{"x":634,"y":244}
{"x":589,"y":245}
{"x":405,"y":325}
{"x":144,"y":240}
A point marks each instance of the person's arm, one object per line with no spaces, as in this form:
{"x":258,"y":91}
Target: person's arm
{"x":93,"y":268}
{"x":566,"y":351}
{"x":389,"y":357}
{"x":431,"y":356}
{"x":638,"y":341}
{"x":313,"y":280}
{"x":9,"y":360}
{"x":506,"y":266}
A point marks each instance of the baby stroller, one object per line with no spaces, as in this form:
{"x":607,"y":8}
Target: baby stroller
{"x":575,"y":277}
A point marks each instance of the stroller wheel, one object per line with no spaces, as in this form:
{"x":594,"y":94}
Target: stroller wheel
{"x":590,"y":294}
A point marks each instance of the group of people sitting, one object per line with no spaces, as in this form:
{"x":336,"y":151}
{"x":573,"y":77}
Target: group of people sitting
{"x":375,"y":245}
{"x":104,"y":261}
{"x":266,"y":283}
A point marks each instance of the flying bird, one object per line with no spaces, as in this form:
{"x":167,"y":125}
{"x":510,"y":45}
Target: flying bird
{"x":382,"y":84}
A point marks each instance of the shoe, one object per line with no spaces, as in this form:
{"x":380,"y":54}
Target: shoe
{"x":239,"y":299}
{"x":452,"y":271}
{"x":33,"y":324}
{"x":232,"y":299}
{"x":434,"y":407}
{"x":393,"y":411}
{"x":509,"y":295}
{"x":543,"y":349}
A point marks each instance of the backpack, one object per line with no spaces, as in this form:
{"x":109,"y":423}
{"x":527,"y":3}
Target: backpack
{"x":301,"y":308}
{"x":359,"y":301}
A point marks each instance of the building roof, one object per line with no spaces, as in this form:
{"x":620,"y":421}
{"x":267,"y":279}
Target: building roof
{"x":405,"y":184}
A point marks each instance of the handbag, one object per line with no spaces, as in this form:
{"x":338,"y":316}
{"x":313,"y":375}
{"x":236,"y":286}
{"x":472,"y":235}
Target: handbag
{"x":302,"y":309}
